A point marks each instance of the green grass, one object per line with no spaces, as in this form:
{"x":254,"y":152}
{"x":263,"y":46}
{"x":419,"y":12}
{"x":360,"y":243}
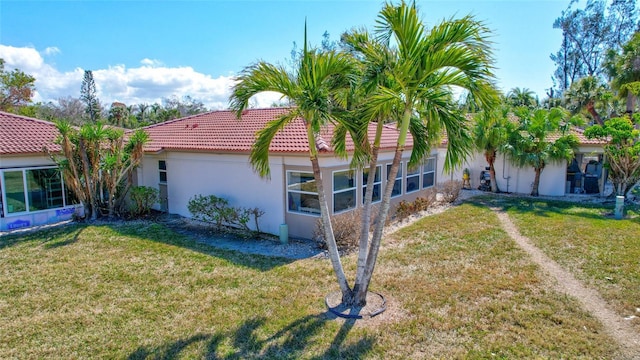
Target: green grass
{"x":588,"y":241}
{"x":457,"y":287}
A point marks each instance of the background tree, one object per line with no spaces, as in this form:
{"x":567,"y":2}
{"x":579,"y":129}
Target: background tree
{"x":588,"y":34}
{"x":624,"y":70}
{"x":622,"y":153}
{"x":16,"y":89}
{"x":491,"y":131}
{"x":584,"y":95}
{"x":88,"y":95}
{"x":522,"y":97}
{"x":541,"y":138}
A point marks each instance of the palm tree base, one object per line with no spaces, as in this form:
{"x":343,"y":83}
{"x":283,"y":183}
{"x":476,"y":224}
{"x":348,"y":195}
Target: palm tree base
{"x":376,"y":304}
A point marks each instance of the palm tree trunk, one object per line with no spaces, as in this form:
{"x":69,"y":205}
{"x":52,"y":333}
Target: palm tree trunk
{"x":366,"y":211}
{"x":491,"y":159}
{"x":376,"y":240}
{"x":536,"y":182}
{"x":334,"y":255}
{"x":591,"y":108}
{"x":89,"y":185}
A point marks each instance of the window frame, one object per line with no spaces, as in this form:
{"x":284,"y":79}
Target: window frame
{"x":399,"y":176}
{"x":425,"y":172}
{"x":353,"y":189}
{"x":288,"y":191}
{"x":417,"y":174}
{"x":161,"y":171}
{"x":375,"y":183}
{"x":25,"y":188}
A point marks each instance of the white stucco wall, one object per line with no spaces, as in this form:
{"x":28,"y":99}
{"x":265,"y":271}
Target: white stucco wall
{"x":510,"y":178}
{"x":224,"y":175}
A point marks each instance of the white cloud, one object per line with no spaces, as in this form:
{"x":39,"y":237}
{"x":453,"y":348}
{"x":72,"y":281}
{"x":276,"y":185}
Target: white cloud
{"x":148,"y":83}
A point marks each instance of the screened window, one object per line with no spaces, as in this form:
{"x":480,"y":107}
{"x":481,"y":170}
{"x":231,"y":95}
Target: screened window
{"x":397,"y":185}
{"x":14,"y":191}
{"x":429,"y":173}
{"x":377,"y":184}
{"x":162,"y":169}
{"x":45,"y":190}
{"x":344,"y":190}
{"x":413,"y":179}
{"x":33,"y":190}
{"x":302,"y":194}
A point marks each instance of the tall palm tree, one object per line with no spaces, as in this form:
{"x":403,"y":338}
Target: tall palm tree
{"x":314,"y":88}
{"x":541,"y":138}
{"x":490,"y":133}
{"x":522,"y":97}
{"x":424,"y":67}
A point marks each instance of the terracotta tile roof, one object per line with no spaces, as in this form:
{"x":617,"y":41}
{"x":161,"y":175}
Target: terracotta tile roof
{"x":579,"y":133}
{"x":24,"y":135}
{"x":222,"y":131}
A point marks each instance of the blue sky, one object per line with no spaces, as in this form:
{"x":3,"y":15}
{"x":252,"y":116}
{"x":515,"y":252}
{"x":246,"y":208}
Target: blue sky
{"x":142,"y":51}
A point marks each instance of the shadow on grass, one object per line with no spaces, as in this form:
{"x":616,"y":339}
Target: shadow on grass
{"x":291,"y":342}
{"x":52,"y":238}
{"x":543,"y":207}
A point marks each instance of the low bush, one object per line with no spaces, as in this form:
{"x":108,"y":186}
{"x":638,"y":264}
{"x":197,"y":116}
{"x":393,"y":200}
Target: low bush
{"x":425,"y":200}
{"x":216,"y":210}
{"x":346,"y":229}
{"x":143,"y":198}
{"x":450,"y":190}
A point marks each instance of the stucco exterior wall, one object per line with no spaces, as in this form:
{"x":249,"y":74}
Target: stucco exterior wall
{"x":224,"y":175}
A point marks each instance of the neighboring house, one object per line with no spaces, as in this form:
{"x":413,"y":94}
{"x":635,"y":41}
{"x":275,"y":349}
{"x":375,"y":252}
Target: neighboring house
{"x":583,"y":175}
{"x":208,"y":154}
{"x":32,"y":190}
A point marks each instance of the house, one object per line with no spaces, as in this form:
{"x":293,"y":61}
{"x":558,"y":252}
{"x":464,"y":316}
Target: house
{"x":32,"y":190}
{"x":208,"y":154}
{"x":584,"y":175}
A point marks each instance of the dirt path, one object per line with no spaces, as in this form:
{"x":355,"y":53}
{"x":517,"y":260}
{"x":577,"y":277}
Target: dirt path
{"x":566,"y":283}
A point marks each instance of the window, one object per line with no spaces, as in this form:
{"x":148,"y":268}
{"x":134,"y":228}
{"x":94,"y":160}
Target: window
{"x":14,"y":190}
{"x":162,"y":169}
{"x":33,"y":190}
{"x":397,"y":185}
{"x":413,"y":179}
{"x":344,"y":190}
{"x":302,"y":194}
{"x":429,"y":173}
{"x":44,"y":187}
{"x":377,"y":184}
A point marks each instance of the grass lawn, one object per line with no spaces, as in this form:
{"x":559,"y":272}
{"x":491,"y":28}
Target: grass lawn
{"x":602,"y":252}
{"x":457,"y":287}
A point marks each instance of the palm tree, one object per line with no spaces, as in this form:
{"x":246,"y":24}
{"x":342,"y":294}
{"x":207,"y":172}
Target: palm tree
{"x":541,"y":138}
{"x":313,"y":88}
{"x":415,"y":92}
{"x":522,"y":97}
{"x":490,"y":133}
{"x":625,"y":72}
{"x":583,"y":94}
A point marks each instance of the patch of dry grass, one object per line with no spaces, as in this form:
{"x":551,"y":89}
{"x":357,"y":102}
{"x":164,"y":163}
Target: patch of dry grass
{"x":457,"y":288}
{"x":588,"y":241}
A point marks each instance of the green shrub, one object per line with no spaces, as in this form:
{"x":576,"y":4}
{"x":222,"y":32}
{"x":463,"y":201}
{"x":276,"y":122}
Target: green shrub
{"x":404,"y":209}
{"x":216,"y":210}
{"x":143,"y":198}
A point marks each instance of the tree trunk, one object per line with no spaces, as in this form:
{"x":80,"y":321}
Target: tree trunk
{"x":376,"y":240}
{"x":334,"y":255}
{"x":591,"y":108}
{"x":490,"y":156}
{"x":366,"y":212}
{"x":89,"y":185}
{"x":536,"y":182}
